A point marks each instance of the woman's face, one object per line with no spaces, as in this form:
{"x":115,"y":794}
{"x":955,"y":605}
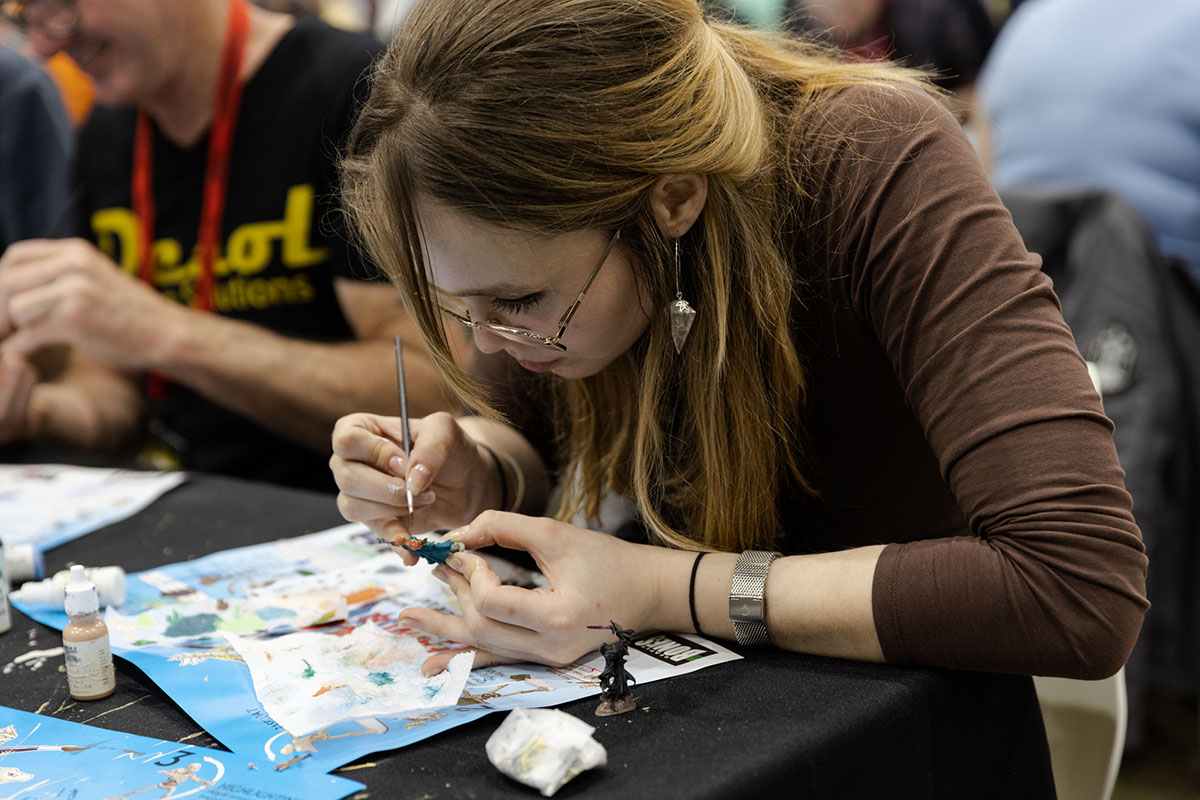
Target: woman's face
{"x":524,"y":280}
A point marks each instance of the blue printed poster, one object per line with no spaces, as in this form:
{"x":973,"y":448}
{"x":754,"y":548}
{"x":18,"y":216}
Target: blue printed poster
{"x":45,"y":757}
{"x":187,"y":626}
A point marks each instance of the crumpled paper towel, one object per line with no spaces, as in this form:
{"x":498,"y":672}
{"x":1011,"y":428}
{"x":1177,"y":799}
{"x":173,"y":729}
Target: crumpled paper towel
{"x":544,"y":748}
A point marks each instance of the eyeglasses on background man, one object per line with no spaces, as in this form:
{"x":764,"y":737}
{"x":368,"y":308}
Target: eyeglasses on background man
{"x":54,"y":18}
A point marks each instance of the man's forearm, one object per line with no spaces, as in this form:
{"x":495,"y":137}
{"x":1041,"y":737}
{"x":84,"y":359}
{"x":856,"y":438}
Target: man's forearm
{"x":294,"y":387}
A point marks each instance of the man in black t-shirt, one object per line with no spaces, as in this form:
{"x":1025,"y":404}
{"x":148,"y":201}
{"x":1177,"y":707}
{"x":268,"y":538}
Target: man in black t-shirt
{"x":298,"y":333}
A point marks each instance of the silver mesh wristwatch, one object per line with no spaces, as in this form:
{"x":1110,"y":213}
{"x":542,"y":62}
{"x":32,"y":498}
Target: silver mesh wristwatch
{"x":747,"y":608}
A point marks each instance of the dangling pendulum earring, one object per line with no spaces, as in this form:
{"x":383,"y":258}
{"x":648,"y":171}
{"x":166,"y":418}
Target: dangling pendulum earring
{"x":682,"y":314}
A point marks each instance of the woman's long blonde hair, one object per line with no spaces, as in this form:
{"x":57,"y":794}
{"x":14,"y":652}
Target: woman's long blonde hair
{"x":559,"y":115}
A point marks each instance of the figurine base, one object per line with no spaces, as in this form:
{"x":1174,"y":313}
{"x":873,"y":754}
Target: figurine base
{"x":612,"y":706}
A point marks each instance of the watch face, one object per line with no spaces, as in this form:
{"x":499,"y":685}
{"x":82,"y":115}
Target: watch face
{"x":745,"y":609}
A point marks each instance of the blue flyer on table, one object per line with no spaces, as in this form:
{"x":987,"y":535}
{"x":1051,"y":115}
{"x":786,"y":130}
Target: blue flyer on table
{"x":44,"y":757}
{"x":191,"y":626}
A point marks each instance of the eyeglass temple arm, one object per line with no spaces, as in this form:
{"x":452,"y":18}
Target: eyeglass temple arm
{"x":566,"y":318}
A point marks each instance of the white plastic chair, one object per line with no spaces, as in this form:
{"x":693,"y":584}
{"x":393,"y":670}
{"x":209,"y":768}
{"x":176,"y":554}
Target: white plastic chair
{"x":1085,"y":726}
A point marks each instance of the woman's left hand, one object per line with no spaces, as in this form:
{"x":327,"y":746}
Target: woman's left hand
{"x":594,"y":578}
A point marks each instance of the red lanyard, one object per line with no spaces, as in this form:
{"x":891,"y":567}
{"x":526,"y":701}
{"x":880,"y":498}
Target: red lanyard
{"x":216,"y":171}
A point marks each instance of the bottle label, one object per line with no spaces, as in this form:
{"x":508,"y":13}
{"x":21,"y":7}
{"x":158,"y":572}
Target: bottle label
{"x":89,"y":667}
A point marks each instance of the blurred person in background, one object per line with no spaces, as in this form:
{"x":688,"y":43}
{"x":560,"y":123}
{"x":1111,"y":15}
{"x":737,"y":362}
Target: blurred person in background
{"x":1125,"y":117}
{"x":74,"y":86}
{"x":35,"y":150}
{"x":217,"y":318}
{"x":949,"y":37}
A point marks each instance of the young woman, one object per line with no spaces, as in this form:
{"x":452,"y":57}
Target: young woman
{"x":877,"y":381}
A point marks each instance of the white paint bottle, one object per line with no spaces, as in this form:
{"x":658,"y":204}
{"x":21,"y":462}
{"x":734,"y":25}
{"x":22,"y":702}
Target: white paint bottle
{"x":23,"y":562}
{"x":90,"y":674}
{"x":109,"y":583}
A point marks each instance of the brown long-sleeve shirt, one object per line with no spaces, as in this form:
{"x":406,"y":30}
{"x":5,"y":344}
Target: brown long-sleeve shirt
{"x":950,"y":413}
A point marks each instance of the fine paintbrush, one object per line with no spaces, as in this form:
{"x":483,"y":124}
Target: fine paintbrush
{"x":407,"y":443}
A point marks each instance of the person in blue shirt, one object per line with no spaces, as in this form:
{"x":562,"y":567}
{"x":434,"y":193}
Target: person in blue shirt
{"x":1101,"y":94}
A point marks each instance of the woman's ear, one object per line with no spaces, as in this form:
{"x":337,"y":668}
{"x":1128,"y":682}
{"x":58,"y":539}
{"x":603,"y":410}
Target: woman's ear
{"x":677,"y":201}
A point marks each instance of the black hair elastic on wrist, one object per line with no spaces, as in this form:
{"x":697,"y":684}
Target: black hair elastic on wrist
{"x":503,"y":477}
{"x":692,"y":591}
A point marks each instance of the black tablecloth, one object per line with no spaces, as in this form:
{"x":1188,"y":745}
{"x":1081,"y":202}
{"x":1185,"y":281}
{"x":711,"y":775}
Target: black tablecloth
{"x":774,"y":725}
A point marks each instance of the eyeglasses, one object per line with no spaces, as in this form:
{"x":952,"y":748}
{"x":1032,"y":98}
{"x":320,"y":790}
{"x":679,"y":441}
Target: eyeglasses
{"x":54,"y":18}
{"x":451,"y":307}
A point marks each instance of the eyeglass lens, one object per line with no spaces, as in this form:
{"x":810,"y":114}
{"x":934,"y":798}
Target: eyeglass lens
{"x":53,"y":17}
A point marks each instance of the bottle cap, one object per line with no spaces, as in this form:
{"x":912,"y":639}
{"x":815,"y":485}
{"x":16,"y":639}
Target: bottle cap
{"x":81,"y":594}
{"x":23,"y":562}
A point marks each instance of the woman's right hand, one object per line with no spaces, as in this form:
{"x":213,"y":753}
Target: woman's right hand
{"x":452,"y":476}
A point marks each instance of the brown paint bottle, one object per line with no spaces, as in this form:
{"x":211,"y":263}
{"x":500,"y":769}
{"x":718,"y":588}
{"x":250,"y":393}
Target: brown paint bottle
{"x":90,"y":674}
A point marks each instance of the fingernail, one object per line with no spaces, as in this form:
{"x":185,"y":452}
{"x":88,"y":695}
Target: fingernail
{"x":418,"y":478}
{"x":429,"y":672}
{"x":396,"y":489}
{"x":456,"y":562}
{"x":396,"y":465}
{"x":458,"y":534}
{"x":409,"y":622}
{"x":442,"y":573}
{"x":424,"y":498}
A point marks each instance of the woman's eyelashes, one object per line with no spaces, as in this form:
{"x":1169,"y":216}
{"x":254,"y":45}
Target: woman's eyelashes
{"x":516,"y":305}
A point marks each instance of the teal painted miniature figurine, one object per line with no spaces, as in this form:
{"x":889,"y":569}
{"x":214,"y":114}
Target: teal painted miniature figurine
{"x":433,"y":552}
